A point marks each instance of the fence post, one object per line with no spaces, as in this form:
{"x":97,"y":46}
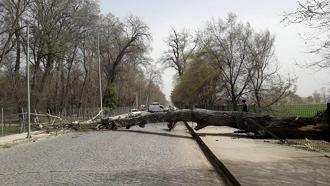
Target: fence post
{"x":49,"y":118}
{"x":328,"y":115}
{"x":1,"y":121}
{"x":23,"y":121}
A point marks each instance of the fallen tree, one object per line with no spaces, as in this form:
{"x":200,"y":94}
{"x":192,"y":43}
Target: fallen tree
{"x":259,"y":124}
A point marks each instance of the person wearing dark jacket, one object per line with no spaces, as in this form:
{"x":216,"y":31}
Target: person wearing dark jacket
{"x":245,"y":108}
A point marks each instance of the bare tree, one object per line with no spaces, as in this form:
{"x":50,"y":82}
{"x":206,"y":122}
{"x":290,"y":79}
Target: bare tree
{"x":11,"y":15}
{"x":315,"y":14}
{"x":57,"y":28}
{"x":228,"y":41}
{"x":140,"y":82}
{"x":153,"y":78}
{"x":180,"y":48}
{"x":119,"y":43}
{"x":63,"y":46}
{"x":266,"y":85}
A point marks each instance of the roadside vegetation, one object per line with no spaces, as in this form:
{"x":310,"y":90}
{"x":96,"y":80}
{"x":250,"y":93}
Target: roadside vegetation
{"x":225,"y":62}
{"x":64,"y":54}
{"x":300,"y":110}
{"x":239,"y":63}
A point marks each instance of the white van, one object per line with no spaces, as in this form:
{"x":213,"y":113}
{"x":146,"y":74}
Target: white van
{"x":156,"y":107}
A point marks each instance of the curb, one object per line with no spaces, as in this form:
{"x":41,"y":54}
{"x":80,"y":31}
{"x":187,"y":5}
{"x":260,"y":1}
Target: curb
{"x":35,"y":137}
{"x":215,"y":162}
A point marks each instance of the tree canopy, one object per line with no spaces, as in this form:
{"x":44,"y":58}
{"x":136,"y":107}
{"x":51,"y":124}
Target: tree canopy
{"x":66,"y":38}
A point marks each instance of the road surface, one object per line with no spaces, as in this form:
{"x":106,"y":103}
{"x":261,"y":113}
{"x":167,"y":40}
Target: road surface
{"x":149,"y":156}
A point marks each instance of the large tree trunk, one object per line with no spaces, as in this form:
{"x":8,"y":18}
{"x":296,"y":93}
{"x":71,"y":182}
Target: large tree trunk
{"x":251,"y":122}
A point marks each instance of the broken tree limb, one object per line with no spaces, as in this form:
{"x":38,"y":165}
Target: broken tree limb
{"x":253,"y":122}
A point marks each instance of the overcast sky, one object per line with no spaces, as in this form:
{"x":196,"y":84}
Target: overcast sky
{"x":161,"y":15}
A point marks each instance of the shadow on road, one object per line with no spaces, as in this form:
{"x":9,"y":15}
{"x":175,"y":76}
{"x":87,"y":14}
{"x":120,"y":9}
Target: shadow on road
{"x":155,"y":133}
{"x":233,"y":135}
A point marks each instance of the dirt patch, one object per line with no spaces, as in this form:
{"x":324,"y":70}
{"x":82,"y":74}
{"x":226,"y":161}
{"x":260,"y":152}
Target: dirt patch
{"x":5,"y":146}
{"x":314,"y":145}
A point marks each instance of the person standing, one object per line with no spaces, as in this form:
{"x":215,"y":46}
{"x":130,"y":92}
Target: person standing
{"x":245,"y":107}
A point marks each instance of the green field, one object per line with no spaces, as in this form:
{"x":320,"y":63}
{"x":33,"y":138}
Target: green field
{"x":303,"y":110}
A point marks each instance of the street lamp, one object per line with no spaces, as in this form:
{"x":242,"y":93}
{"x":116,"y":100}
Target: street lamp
{"x":28,"y":81}
{"x":100,"y":77}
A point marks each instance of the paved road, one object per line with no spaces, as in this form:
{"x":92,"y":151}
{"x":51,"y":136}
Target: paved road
{"x":149,"y":156}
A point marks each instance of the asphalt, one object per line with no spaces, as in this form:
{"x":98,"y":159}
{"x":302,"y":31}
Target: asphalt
{"x":265,"y":162}
{"x":148,"y":156}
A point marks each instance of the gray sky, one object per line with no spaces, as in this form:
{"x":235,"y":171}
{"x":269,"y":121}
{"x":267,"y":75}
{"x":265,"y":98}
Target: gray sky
{"x":160,"y":16}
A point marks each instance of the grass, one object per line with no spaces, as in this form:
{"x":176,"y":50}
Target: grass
{"x":304,"y":110}
{"x":5,"y":146}
{"x":7,"y":130}
{"x":14,"y":129}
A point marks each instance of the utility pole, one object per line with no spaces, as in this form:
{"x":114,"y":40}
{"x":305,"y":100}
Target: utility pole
{"x":328,"y":115}
{"x":100,"y":77}
{"x":28,"y":81}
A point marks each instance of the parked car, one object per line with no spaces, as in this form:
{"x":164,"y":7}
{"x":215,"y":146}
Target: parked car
{"x":156,"y":107}
{"x":134,"y":113}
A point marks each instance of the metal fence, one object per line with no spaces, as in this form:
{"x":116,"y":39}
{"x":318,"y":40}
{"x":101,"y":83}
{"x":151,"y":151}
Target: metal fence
{"x":300,"y":110}
{"x":13,"y":123}
{"x":251,"y":108}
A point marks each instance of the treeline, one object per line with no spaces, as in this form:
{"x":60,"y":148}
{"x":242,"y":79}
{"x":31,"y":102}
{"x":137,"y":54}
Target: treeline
{"x":322,"y":96}
{"x":223,"y":63}
{"x":64,"y":55}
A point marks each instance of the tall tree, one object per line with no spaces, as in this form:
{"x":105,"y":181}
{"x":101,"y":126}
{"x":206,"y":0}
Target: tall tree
{"x":228,"y":41}
{"x":266,"y":85}
{"x":56,"y":30}
{"x":64,"y":56}
{"x":180,"y":48}
{"x":153,"y":76}
{"x":121,"y":41}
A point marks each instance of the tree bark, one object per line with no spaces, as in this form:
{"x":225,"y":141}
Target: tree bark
{"x":251,"y":122}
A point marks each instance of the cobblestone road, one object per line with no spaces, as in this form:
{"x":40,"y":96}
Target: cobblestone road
{"x":149,"y":156}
